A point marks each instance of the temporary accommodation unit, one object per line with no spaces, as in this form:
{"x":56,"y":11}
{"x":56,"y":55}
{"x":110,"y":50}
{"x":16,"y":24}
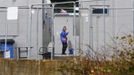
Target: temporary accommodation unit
{"x":103,"y":20}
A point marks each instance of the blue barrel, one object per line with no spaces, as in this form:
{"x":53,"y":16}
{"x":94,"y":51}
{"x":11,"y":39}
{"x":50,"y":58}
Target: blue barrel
{"x":9,"y":47}
{"x":71,"y":51}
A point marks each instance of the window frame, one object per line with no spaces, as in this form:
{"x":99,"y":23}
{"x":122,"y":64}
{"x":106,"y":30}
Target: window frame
{"x":100,"y":7}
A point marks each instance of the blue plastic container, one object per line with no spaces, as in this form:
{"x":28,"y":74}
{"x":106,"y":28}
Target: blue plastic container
{"x":71,"y":51}
{"x":9,"y":47}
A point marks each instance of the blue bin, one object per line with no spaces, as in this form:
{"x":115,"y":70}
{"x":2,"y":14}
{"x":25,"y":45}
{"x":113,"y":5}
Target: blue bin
{"x":9,"y":47}
{"x":71,"y":51}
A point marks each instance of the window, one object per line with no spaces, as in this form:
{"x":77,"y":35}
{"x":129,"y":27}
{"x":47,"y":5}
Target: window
{"x":67,"y":7}
{"x":100,"y":10}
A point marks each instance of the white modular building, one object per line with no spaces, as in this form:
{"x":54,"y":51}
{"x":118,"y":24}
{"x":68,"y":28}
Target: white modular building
{"x":32,"y":28}
{"x":98,"y":22}
{"x":103,"y":20}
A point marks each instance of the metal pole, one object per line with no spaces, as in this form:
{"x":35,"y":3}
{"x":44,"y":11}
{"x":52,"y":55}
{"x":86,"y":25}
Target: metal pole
{"x":43,"y":22}
{"x":104,"y":25}
{"x":27,"y":32}
{"x":91,"y":35}
{"x":81,"y":29}
{"x":6,"y":35}
{"x":30,"y":26}
{"x":74,"y":27}
{"x":133,"y":18}
{"x":18,"y":24}
{"x":97,"y":34}
{"x":114,"y":23}
{"x":52,"y":34}
{"x":43,"y":11}
{"x":54,"y":3}
{"x":113,"y":18}
{"x":65,"y":2}
{"x":37,"y":31}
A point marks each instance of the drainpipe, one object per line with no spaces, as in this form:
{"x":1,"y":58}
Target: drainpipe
{"x":133,"y":17}
{"x":43,"y":22}
{"x":43,"y":1}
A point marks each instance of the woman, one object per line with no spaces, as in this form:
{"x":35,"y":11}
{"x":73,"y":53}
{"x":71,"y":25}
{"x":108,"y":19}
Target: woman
{"x":63,"y":37}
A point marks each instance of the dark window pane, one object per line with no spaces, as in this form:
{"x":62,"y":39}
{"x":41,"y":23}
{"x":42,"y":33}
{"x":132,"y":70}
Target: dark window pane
{"x":100,"y":11}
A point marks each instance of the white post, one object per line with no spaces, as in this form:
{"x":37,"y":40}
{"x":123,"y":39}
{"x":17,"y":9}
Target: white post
{"x":104,"y":24}
{"x":52,"y":34}
{"x":74,"y":27}
{"x":91,"y":35}
{"x":6,"y":35}
{"x":37,"y":32}
{"x":133,"y":18}
{"x":29,"y":30}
